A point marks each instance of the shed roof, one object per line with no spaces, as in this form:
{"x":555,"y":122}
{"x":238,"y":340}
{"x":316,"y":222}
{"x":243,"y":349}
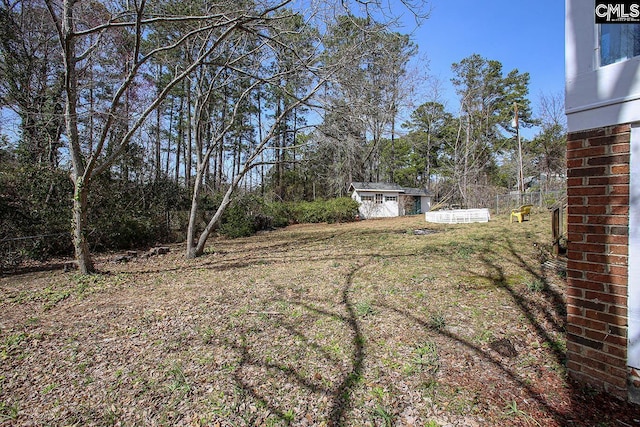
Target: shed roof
{"x":385,"y":186}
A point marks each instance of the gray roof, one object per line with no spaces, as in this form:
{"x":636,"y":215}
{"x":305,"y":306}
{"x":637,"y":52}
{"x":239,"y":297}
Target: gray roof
{"x":385,"y":186}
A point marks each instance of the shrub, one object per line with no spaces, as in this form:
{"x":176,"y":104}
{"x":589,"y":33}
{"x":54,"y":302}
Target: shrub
{"x":281,"y":214}
{"x":126,"y":214}
{"x":248,"y":214}
{"x":342,"y":209}
{"x":35,"y":211}
{"x":245,"y":216}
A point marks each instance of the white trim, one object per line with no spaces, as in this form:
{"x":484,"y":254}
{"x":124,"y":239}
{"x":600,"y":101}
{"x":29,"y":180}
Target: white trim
{"x":633,"y":281}
{"x":610,"y":115}
{"x":596,"y":96}
{"x":605,"y":103}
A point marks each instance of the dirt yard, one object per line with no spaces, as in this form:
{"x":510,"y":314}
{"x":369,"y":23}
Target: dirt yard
{"x":363,"y":324}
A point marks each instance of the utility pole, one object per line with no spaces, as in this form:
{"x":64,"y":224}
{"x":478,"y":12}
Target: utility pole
{"x":517,"y":126}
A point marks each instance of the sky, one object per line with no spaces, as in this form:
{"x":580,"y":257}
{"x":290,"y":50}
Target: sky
{"x":527,"y":36}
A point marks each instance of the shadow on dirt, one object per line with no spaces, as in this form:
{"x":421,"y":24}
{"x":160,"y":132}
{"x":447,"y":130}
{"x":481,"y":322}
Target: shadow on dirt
{"x":339,"y":395}
{"x":546,"y":320}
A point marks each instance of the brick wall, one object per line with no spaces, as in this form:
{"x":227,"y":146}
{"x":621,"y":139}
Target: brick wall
{"x":598,"y":236}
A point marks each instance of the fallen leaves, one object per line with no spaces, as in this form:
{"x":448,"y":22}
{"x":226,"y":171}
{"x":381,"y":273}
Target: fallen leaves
{"x":346,"y":324}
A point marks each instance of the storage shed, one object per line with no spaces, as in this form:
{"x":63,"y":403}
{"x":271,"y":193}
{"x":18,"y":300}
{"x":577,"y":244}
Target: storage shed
{"x":384,"y":200}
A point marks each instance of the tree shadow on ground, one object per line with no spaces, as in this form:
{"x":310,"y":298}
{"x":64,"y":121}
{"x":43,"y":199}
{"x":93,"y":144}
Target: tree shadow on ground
{"x":339,"y":395}
{"x":545,"y":320}
{"x":587,"y":407}
{"x":253,"y":369}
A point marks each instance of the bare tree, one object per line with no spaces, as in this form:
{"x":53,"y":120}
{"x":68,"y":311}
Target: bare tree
{"x":548,"y":148}
{"x":84,"y":34}
{"x":122,"y":43}
{"x":30,"y":82}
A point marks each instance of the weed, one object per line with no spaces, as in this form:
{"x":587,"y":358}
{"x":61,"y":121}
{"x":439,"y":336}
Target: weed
{"x":378,"y":392}
{"x":11,"y":344}
{"x":462,"y":250}
{"x":207,"y":335}
{"x":437,"y":321}
{"x":355,"y":378}
{"x":288,"y":416}
{"x":391,"y":291}
{"x":381,"y":412}
{"x":557,"y":346}
{"x":110,"y":416}
{"x":536,"y":285}
{"x":54,"y":296}
{"x":82,"y":367}
{"x":431,"y":424}
{"x":49,"y":388}
{"x":364,"y":308}
{"x":409,"y":369}
{"x":229,"y":367}
{"x":512,"y":410}
{"x":427,"y":357}
{"x":430,"y":387}
{"x":8,"y":412}
{"x":485,"y":336}
{"x":179,"y":380}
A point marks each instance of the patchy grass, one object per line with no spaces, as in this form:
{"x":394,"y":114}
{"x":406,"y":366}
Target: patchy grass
{"x":343,"y":324}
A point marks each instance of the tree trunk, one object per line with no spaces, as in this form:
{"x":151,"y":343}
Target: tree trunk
{"x":191,"y":229}
{"x":79,"y":223}
{"x":158,"y":141}
{"x":188,"y":151}
{"x":198,"y":250}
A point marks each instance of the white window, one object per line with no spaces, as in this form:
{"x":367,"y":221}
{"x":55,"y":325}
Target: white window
{"x":618,"y":42}
{"x":367,"y":198}
{"x":391,"y":198}
{"x":379,"y":198}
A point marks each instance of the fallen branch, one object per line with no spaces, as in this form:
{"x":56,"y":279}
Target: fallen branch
{"x":270,"y":313}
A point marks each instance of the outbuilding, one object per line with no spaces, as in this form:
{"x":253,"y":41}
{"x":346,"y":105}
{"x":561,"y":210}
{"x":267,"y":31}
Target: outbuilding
{"x":384,"y":200}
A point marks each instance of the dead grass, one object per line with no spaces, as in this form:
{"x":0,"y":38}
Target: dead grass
{"x":346,"y":324}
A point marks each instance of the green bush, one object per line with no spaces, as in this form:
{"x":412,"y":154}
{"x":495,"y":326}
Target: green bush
{"x":243,"y":217}
{"x":35,"y":211}
{"x":248,"y":214}
{"x":280,"y":213}
{"x":343,"y":209}
{"x":126,"y":215}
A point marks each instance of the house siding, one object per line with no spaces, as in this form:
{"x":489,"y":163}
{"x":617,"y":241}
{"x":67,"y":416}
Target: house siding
{"x":598,"y":162}
{"x":386,"y":209}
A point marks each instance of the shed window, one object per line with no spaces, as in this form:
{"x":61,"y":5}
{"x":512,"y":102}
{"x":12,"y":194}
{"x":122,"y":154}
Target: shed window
{"x":367,"y":198}
{"x":618,"y":42}
{"x":378,"y":198}
{"x":391,"y":199}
